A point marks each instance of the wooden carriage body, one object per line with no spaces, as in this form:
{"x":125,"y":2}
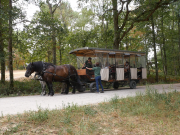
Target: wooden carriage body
{"x":112,"y":63}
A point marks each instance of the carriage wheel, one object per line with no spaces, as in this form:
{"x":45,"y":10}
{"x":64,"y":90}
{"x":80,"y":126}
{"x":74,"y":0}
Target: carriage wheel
{"x":92,"y":87}
{"x":132,"y":84}
{"x":115,"y":85}
{"x":83,"y":88}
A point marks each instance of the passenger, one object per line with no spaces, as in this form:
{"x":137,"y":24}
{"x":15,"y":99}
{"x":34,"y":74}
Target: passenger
{"x":97,"y":70}
{"x":126,"y":69}
{"x":126,"y":66}
{"x":107,"y":65}
{"x":88,"y":63}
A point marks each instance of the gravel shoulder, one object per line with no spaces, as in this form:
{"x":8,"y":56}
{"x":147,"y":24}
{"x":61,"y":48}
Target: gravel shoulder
{"x":15,"y":105}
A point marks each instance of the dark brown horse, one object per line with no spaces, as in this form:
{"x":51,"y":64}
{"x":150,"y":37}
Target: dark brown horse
{"x":50,"y":73}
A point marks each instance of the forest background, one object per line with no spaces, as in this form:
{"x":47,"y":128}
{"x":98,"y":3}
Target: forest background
{"x":56,"y":29}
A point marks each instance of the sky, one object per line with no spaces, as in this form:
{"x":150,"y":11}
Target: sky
{"x":31,"y":8}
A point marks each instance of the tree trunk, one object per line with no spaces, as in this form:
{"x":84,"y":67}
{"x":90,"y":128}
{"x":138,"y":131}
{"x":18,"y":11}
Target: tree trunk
{"x":10,"y":46}
{"x":60,"y":53}
{"x":154,"y":46}
{"x":146,"y":50}
{"x":2,"y":53}
{"x":53,"y":30}
{"x":2,"y":59}
{"x":127,"y":45}
{"x":49,"y":56}
{"x":54,"y":45}
{"x":179,"y":38}
{"x":163,"y":48}
{"x":116,"y":27}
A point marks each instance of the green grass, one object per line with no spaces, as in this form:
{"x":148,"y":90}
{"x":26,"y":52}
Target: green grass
{"x":39,"y":116}
{"x":149,"y":113}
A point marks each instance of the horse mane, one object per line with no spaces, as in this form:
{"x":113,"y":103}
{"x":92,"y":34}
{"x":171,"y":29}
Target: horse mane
{"x":38,"y":66}
{"x":46,"y":65}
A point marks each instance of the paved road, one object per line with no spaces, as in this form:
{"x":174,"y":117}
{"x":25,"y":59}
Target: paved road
{"x":14,"y":105}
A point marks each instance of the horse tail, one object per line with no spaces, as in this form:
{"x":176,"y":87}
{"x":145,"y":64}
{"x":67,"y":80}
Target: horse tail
{"x":79,"y":83}
{"x":78,"y":78}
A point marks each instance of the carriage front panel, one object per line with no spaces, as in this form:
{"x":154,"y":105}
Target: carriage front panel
{"x":81,"y":71}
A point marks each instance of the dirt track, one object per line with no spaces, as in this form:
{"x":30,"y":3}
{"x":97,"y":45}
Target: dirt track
{"x":16,"y":74}
{"x":14,"y":105}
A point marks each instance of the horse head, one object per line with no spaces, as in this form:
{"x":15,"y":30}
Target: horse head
{"x":29,"y":69}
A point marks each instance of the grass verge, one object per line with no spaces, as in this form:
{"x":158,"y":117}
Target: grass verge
{"x":151,"y":113}
{"x":24,"y":87}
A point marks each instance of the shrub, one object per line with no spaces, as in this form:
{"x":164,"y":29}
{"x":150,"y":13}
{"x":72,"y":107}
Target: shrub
{"x":25,"y":87}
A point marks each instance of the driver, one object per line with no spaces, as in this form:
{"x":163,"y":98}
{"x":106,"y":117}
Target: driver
{"x":126,"y":66}
{"x":88,"y":63}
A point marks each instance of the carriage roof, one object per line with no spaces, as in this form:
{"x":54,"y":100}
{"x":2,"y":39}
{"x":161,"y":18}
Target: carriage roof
{"x":90,"y":52}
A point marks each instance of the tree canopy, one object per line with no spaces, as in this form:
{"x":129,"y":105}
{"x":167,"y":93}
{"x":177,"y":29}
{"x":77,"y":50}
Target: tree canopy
{"x":152,"y":26}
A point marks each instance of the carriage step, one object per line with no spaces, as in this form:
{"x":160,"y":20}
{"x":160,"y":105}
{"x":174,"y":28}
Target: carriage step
{"x":92,"y":78}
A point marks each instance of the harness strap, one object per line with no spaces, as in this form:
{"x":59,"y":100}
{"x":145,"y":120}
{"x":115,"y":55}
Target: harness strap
{"x":54,"y":74}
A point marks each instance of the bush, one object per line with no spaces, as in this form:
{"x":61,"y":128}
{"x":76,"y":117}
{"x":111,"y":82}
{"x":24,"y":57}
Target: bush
{"x":169,"y":79}
{"x":25,"y":87}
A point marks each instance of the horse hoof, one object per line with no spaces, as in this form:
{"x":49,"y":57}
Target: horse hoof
{"x":51,"y":94}
{"x":43,"y":93}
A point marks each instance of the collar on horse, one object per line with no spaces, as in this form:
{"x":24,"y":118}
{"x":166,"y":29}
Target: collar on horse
{"x":41,"y":74}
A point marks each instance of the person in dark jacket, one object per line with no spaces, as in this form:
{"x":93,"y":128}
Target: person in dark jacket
{"x":88,"y":63}
{"x":97,"y":70}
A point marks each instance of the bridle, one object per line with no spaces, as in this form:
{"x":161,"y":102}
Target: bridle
{"x":30,"y":69}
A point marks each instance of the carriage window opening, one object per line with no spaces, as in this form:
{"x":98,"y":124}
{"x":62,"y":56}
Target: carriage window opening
{"x":119,"y":61}
{"x":141,"y":62}
{"x":112,"y":60}
{"x":105,"y":63}
{"x":133,"y":61}
{"x":80,"y":62}
{"x":92,"y":56}
{"x":126,"y":59}
{"x":98,"y":59}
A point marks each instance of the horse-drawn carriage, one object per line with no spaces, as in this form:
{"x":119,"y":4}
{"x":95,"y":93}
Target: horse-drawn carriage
{"x":117,"y":67}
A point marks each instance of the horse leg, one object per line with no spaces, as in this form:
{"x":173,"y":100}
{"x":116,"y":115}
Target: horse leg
{"x":74,"y":88}
{"x":43,"y":86}
{"x":67,"y":88}
{"x":48,"y":88}
{"x":63,"y":89}
{"x":51,"y":92}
